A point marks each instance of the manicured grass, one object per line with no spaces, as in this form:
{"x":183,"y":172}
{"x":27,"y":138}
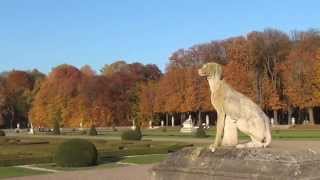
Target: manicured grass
{"x":53,"y":166}
{"x":145,"y":159}
{"x":296,"y":134}
{"x":287,"y":134}
{"x":19,"y":153}
{"x":36,"y":149}
{"x":6,"y":172}
{"x":112,"y":162}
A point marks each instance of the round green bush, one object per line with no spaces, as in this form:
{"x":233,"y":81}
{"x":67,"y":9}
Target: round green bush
{"x":92,"y":131}
{"x":76,"y":153}
{"x":2,"y":133}
{"x":200,"y":133}
{"x":131,"y":135}
{"x":83,"y":132}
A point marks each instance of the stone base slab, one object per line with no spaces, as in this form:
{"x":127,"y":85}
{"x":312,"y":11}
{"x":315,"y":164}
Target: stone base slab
{"x":196,"y":163}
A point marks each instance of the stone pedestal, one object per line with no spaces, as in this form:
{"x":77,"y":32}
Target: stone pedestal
{"x":241,"y":164}
{"x":187,"y":127}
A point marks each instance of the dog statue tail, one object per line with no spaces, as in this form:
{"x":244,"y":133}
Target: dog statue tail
{"x":268,"y":137}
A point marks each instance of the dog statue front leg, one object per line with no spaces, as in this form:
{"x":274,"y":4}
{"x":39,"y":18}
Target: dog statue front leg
{"x":219,"y":131}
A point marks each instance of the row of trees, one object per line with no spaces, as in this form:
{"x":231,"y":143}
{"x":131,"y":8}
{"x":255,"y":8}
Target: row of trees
{"x":82,"y":97}
{"x":278,"y":71}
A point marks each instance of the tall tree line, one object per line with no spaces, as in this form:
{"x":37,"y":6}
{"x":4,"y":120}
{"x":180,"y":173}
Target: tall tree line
{"x":279,"y":71}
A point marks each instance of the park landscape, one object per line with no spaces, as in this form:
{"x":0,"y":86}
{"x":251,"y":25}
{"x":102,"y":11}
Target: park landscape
{"x":241,"y":105}
{"x":38,"y":150}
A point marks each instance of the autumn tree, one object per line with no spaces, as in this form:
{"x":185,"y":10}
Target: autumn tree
{"x":125,"y":81}
{"x":3,"y":96}
{"x":87,"y":70}
{"x":147,"y":100}
{"x":299,"y":70}
{"x":18,"y":88}
{"x":57,"y":93}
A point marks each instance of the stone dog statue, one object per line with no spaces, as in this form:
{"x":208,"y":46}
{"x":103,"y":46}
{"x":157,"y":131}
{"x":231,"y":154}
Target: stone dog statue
{"x":235,"y":111}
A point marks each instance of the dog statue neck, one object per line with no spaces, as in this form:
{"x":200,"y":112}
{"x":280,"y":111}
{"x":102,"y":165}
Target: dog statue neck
{"x":214,"y":83}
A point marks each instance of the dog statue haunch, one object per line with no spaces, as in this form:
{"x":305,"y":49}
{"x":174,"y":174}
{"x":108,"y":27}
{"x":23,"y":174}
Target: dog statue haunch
{"x":235,"y":111}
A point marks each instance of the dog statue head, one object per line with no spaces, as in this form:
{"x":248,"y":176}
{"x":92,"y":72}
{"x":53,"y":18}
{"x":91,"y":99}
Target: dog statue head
{"x":211,"y":70}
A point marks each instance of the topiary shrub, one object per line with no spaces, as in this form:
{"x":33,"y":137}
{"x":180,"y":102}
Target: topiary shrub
{"x":83,"y":132}
{"x":76,"y":153}
{"x":92,"y":131}
{"x":200,"y":133}
{"x":132,"y":135}
{"x":2,"y":133}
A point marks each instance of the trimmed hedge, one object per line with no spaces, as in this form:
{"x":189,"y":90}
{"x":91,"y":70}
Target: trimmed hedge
{"x":76,"y":153}
{"x":92,"y":131}
{"x":13,"y":161}
{"x":200,"y":133}
{"x":132,"y":135}
{"x":2,"y":133}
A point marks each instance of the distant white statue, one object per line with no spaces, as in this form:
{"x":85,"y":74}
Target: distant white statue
{"x":150,"y":124}
{"x":207,"y":122}
{"x":31,"y":131}
{"x":133,"y":127}
{"x":17,"y":130}
{"x":81,"y":126}
{"x":272,"y":121}
{"x":293,"y":121}
{"x":172,"y":121}
{"x":187,"y":126}
{"x":162,"y":123}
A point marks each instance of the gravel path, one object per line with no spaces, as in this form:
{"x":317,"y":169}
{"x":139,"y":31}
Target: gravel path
{"x":138,"y":172}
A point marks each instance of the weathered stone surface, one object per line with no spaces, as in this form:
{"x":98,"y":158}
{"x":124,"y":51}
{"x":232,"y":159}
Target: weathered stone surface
{"x":230,"y":164}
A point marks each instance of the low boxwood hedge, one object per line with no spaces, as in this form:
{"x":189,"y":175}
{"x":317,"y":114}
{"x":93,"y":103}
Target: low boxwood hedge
{"x":132,"y":135}
{"x":76,"y":153}
{"x":200,"y":133}
{"x":92,"y":131}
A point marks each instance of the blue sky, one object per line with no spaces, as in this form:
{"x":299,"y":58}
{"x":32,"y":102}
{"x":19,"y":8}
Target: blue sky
{"x":45,"y":33}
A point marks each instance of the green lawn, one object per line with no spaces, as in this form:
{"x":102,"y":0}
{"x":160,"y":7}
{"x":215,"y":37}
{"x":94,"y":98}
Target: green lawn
{"x":25,"y":149}
{"x":37,"y":150}
{"x":113,"y":162}
{"x":287,"y":134}
{"x":145,"y":159}
{"x":52,"y":166}
{"x":6,"y":172}
{"x":174,"y":132}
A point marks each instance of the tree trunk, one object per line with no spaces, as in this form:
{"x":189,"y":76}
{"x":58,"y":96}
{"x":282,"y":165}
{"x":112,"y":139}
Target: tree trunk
{"x":167,"y":119}
{"x":275,"y":116}
{"x":289,"y":115}
{"x":12,"y":118}
{"x":311,"y":117}
{"x":258,"y":88}
{"x":199,"y":119}
{"x":300,"y":115}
